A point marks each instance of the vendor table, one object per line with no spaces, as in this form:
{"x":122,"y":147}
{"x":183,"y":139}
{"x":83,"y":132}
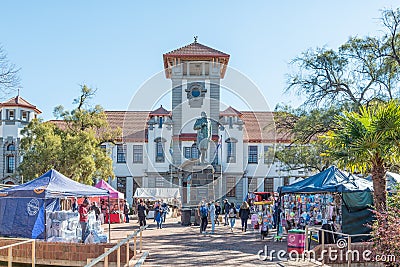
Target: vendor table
{"x":114,"y":218}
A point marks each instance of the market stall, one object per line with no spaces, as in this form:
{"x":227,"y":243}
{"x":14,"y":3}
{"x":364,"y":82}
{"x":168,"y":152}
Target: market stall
{"x":331,"y":196}
{"x":171,"y":196}
{"x":112,"y":206}
{"x":32,"y":210}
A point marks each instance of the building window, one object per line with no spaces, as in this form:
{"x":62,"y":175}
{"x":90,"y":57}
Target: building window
{"x":11,"y":147}
{"x":160,"y":151}
{"x":121,"y":153}
{"x":231,"y":152}
{"x":24,"y":115}
{"x":10,"y":114}
{"x":253,"y":154}
{"x":269,"y":185}
{"x":231,"y":186}
{"x":191,"y":152}
{"x":160,"y":121}
{"x":252,"y":183}
{"x":10,"y":164}
{"x":285,"y":181}
{"x":103,"y":147}
{"x":268,"y":154}
{"x":121,"y":185}
{"x":137,"y":154}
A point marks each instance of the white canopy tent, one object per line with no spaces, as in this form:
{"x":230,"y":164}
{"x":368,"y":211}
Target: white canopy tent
{"x":157,"y":193}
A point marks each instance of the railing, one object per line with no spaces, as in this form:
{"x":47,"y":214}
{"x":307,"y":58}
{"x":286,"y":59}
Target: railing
{"x":10,"y":247}
{"x":309,"y":231}
{"x":117,"y":247}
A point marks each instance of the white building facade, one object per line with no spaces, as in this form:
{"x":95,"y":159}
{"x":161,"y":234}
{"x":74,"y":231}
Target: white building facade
{"x":15,"y":114}
{"x":158,"y":148}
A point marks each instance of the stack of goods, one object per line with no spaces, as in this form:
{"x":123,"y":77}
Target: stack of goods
{"x":62,"y":226}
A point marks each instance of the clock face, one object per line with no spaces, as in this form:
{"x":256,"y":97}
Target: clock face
{"x":196,"y":92}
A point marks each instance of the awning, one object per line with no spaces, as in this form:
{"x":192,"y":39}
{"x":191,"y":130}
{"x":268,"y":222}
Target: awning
{"x":157,"y":193}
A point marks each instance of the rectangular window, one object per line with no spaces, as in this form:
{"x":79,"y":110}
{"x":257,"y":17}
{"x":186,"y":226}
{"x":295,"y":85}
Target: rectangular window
{"x":24,"y":115}
{"x":268,"y":154}
{"x":160,"y":152}
{"x":10,"y":114}
{"x":121,"y":153}
{"x":137,"y":154}
{"x":10,"y":164}
{"x":269,"y":185}
{"x":285,"y":181}
{"x":231,"y":186}
{"x":253,"y":155}
{"x":252,"y":182}
{"x":195,"y":152}
{"x":121,"y":184}
{"x":103,"y":147}
{"x":187,"y":152}
{"x":231,"y":152}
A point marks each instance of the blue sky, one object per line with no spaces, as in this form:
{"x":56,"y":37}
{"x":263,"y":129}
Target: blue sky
{"x":115,"y":46}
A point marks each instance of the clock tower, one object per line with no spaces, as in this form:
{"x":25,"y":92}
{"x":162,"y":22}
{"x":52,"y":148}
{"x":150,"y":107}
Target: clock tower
{"x":195,"y":71}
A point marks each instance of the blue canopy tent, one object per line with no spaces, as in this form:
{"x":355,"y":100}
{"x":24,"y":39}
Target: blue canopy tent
{"x":23,"y":207}
{"x":356,"y":194}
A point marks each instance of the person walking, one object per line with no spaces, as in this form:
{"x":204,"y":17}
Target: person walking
{"x":159,"y":216}
{"x":164,"y":207}
{"x":83,"y":217}
{"x":212,"y":217}
{"x":141,"y":210}
{"x":156,"y":209}
{"x":244,"y":214}
{"x":217,"y":211}
{"x":126,"y":211}
{"x":203,"y":214}
{"x":226,"y":208}
{"x":232,"y":215}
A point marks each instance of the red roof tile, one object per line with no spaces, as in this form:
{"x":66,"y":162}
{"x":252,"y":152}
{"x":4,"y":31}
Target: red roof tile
{"x":230,"y":111}
{"x":259,"y":127}
{"x":196,"y":49}
{"x":160,"y":112}
{"x":19,"y":102}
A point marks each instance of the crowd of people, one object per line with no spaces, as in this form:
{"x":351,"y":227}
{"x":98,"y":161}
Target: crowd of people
{"x":212,"y":210}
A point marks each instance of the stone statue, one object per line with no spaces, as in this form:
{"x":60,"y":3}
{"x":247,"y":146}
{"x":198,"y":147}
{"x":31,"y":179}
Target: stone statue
{"x":203,"y":127}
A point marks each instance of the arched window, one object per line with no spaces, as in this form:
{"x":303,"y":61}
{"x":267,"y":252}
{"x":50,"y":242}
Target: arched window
{"x":10,"y":164}
{"x":11,"y":147}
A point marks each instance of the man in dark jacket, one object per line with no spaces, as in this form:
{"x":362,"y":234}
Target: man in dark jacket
{"x":217,"y":211}
{"x":142,"y":213}
{"x":226,"y":208}
{"x":244,"y":214}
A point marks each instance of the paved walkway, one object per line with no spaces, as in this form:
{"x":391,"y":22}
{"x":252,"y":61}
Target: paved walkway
{"x":177,"y":245}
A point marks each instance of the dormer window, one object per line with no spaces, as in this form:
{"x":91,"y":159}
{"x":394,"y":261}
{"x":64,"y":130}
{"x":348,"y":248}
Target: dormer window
{"x":10,"y":114}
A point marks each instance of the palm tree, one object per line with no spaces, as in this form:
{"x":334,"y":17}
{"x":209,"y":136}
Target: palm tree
{"x":368,"y":141}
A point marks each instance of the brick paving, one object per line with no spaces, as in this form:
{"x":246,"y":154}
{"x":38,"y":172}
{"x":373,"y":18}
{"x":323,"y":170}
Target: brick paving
{"x":177,"y":245}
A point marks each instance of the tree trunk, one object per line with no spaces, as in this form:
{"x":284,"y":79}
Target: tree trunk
{"x":379,"y":182}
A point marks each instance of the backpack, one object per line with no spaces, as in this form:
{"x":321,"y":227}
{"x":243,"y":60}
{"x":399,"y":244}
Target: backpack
{"x":203,"y":211}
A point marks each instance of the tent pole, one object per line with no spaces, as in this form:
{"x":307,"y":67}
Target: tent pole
{"x":45,"y":221}
{"x":109,"y":220}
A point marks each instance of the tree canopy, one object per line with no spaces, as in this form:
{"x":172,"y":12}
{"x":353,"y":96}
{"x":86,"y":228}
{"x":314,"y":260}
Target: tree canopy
{"x":72,"y":145}
{"x":9,"y":79}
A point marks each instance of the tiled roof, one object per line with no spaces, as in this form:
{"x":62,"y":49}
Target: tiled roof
{"x":19,"y":102}
{"x":230,"y":111}
{"x":259,"y":127}
{"x":160,"y":112}
{"x":132,"y":123}
{"x":196,"y":49}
